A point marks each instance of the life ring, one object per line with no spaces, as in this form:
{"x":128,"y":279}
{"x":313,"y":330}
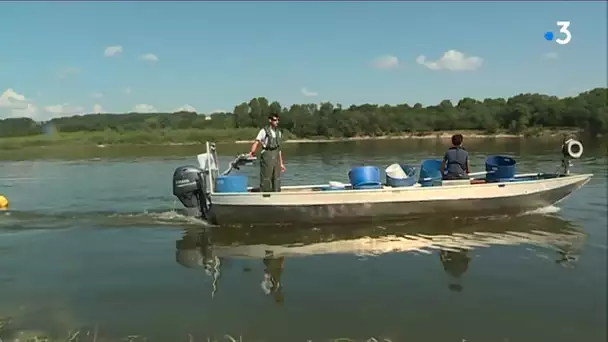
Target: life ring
{"x":573,"y":148}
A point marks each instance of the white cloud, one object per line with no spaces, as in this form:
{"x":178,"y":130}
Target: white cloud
{"x":126,"y":90}
{"x":150,"y":57}
{"x":29,"y":111}
{"x":219,"y":111}
{"x":10,"y":98}
{"x":112,"y":50}
{"x":13,"y":104}
{"x":308,"y":93}
{"x":96,"y":95}
{"x":64,"y":109}
{"x":97,"y":108}
{"x":185,"y":108}
{"x":452,"y":60}
{"x":386,"y":62}
{"x":551,"y":55}
{"x":144,"y":108}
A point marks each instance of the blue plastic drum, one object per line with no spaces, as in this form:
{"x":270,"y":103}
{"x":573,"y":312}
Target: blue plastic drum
{"x":430,"y":173}
{"x":234,"y":183}
{"x":500,"y":168}
{"x":365,"y":177}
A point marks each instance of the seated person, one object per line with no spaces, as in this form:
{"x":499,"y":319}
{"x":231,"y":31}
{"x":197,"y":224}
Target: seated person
{"x":455,"y":161}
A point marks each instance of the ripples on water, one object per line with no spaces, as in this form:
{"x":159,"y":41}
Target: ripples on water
{"x":97,"y":251}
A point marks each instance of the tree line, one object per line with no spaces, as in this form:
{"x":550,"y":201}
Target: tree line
{"x":519,"y":114}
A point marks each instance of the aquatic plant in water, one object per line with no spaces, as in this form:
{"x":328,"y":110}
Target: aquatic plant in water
{"x":4,"y":321}
{"x":87,"y":335}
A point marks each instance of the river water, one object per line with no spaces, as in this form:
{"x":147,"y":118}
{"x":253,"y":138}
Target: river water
{"x":93,"y":250}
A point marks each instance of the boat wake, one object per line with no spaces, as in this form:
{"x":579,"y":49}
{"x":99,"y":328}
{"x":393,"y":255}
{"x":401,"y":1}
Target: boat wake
{"x":543,"y":211}
{"x":20,"y":220}
{"x":16,"y":219}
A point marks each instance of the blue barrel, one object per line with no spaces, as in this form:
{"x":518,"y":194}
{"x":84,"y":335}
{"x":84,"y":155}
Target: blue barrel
{"x":234,"y":183}
{"x":409,"y":181}
{"x":430,"y":173}
{"x":500,"y":168}
{"x":365,"y":177}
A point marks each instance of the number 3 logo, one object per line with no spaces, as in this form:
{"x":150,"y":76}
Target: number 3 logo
{"x":563,"y":28}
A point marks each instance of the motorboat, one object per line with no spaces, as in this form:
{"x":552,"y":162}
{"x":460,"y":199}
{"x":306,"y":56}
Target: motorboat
{"x":227,"y":199}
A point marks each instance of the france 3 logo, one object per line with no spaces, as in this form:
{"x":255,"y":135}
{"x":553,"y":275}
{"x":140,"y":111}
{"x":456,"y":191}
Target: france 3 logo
{"x":565,"y":35}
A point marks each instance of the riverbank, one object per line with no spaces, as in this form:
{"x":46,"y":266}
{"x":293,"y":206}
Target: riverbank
{"x":239,"y":136}
{"x":434,"y":135}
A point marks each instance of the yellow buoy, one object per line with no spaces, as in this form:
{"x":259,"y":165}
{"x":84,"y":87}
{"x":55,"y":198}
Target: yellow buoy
{"x":3,"y":202}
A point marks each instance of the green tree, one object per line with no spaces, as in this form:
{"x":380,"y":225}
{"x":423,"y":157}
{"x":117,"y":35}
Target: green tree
{"x":523,"y":113}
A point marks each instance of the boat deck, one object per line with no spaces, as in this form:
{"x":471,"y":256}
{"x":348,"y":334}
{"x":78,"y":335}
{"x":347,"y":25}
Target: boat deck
{"x":471,"y":181}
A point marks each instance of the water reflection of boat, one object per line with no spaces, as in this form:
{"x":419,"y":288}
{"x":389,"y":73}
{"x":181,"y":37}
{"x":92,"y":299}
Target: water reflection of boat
{"x":453,"y":239}
{"x":420,"y":236}
{"x":455,"y":263}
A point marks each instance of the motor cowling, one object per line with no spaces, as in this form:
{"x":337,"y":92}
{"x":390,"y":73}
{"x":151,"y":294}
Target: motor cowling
{"x":188,"y":185}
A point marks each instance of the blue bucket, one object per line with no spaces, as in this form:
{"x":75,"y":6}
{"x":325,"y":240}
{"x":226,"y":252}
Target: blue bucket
{"x":430,"y":173}
{"x":500,"y":168}
{"x":234,"y":183}
{"x":401,"y":182}
{"x":364,"y":176}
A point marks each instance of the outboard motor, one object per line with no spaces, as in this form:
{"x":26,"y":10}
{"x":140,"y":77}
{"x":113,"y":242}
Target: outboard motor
{"x":189,"y":188}
{"x":193,"y":185}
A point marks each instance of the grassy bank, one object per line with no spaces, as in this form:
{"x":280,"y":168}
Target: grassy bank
{"x":444,"y":135}
{"x":109,"y":137}
{"x":244,"y":135}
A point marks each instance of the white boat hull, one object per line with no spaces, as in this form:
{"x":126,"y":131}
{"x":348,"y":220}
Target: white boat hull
{"x":306,"y":204}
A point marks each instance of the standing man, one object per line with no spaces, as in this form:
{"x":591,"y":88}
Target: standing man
{"x":456,"y":160}
{"x":271,"y":157}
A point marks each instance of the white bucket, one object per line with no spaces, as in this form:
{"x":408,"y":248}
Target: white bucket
{"x":395,"y":171}
{"x":337,"y":185}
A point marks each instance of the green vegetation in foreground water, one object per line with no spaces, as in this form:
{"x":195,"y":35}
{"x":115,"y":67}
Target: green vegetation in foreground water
{"x":93,"y":335}
{"x":524,"y":114}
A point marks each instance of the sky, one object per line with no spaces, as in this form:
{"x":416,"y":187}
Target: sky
{"x":67,"y":58}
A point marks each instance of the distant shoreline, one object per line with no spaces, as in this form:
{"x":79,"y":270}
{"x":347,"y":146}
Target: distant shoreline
{"x":430,"y":135}
{"x":191,"y":137}
{"x":414,"y":136}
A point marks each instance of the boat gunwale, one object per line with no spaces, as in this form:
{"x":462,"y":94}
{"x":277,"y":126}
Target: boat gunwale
{"x":302,"y":188}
